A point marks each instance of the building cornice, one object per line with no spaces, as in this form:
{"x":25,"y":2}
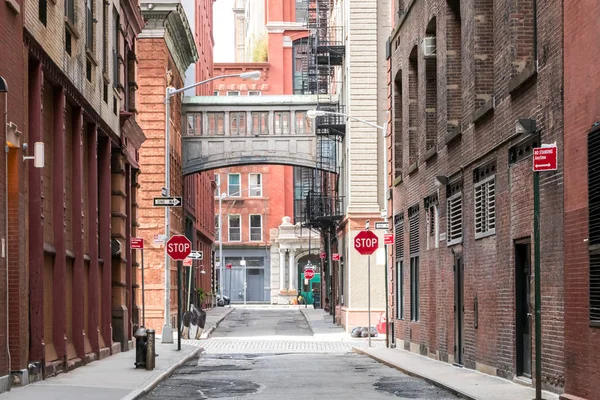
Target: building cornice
{"x":167,"y":19}
{"x":282,"y":26}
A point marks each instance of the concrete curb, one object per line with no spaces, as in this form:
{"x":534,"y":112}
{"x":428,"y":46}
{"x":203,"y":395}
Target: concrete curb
{"x":307,"y":322}
{"x":207,"y":333}
{"x":439,"y":384}
{"x":139,"y":393}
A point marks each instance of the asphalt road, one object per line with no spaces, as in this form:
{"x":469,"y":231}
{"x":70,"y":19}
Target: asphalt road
{"x":285,"y":374}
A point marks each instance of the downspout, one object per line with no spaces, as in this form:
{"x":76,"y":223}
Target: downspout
{"x":535,"y":35}
{"x":6,"y":150}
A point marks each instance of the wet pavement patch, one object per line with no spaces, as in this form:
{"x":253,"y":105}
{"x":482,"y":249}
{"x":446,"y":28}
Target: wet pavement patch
{"x":203,"y":389}
{"x":410,"y":388}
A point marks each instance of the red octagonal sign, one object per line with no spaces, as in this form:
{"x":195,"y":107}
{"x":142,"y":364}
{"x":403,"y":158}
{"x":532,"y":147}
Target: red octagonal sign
{"x":179,"y":247}
{"x":366,"y":242}
{"x":309,"y":274}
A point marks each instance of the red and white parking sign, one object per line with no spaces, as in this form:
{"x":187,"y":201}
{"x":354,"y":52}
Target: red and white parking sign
{"x":545,"y":158}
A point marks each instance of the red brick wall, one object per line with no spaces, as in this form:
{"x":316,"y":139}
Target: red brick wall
{"x":582,"y":109}
{"x":477,"y":71}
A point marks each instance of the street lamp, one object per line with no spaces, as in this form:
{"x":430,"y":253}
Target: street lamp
{"x":312,"y":114}
{"x":167,"y":331}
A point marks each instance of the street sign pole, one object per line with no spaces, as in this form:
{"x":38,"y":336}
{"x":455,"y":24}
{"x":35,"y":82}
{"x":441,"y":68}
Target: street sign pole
{"x":230,"y":273}
{"x":143,"y":299}
{"x":369,"y":288}
{"x":179,"y":304}
{"x":538,"y":287}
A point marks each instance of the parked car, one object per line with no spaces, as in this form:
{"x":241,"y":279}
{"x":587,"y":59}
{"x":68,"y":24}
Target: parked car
{"x":222,"y":301}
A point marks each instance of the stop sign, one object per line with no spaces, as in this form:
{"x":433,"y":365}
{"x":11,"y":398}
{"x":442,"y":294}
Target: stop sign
{"x":366,"y":242}
{"x":179,"y":247}
{"x":309,"y":274}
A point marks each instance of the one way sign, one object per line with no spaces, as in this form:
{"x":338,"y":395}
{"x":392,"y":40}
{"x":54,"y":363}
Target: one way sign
{"x":196,"y":255}
{"x":167,"y":202}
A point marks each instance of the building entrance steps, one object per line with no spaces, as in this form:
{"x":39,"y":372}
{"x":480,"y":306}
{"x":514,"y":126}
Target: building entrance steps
{"x":464,"y":382}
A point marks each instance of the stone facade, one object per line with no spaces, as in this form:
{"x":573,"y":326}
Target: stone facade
{"x":473,"y":90}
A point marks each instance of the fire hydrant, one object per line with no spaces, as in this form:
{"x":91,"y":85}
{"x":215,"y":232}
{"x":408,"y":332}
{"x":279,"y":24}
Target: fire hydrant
{"x":145,"y":348}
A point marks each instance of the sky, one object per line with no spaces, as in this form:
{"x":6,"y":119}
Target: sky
{"x":223,"y":31}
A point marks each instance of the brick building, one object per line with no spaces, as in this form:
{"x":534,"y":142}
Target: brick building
{"x":582,"y":137}
{"x":81,"y":97}
{"x":471,"y":93}
{"x":199,"y":188}
{"x":166,"y":50}
{"x":13,"y":173}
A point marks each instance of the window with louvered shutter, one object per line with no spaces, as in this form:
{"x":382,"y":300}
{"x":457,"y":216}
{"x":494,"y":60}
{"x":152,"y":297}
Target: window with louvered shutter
{"x":485,"y":207}
{"x":454,"y":219}
{"x":413,"y":217}
{"x":399,"y":236}
{"x":594,"y":222}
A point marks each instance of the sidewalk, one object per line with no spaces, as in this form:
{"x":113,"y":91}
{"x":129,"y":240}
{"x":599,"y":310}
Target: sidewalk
{"x":464,"y":382}
{"x":113,"y":378}
{"x":323,"y":328}
{"x":116,"y":377}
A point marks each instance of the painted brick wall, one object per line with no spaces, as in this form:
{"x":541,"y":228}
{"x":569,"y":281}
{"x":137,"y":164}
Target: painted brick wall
{"x":582,"y":109}
{"x":471,"y":68}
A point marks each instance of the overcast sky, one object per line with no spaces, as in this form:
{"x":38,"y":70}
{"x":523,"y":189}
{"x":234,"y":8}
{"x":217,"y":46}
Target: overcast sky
{"x":223,"y":31}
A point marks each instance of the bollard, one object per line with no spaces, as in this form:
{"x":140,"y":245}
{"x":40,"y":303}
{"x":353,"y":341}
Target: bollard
{"x":150,"y":349}
{"x":141,"y":338}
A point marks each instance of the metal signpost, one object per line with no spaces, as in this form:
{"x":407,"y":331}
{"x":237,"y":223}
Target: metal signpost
{"x":545,"y":158}
{"x":178,"y":248}
{"x":366,"y":242}
{"x":138,"y":244}
{"x":229,"y":267}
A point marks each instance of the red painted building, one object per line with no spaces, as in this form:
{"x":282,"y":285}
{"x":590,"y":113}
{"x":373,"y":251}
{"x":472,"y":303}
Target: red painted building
{"x":581,"y":199}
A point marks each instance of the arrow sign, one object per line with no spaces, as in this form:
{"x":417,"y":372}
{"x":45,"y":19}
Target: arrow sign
{"x":196,"y":255}
{"x":167,"y":202}
{"x":545,"y":158}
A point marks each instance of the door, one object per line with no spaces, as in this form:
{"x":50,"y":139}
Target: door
{"x":255,"y":290}
{"x":459,"y":310}
{"x":523,"y":308}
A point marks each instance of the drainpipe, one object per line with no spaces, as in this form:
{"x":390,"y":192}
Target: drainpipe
{"x":4,"y":88}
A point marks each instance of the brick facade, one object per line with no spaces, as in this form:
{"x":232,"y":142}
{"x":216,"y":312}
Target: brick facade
{"x":582,"y":110}
{"x":486,"y":82}
{"x":13,"y":173}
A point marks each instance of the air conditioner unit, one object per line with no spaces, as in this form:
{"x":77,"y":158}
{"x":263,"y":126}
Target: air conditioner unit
{"x":429,"y":46}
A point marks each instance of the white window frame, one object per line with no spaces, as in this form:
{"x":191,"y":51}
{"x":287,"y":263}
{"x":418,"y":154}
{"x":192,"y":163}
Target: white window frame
{"x":218,"y":184}
{"x":229,"y":193}
{"x":251,"y":186}
{"x":254,"y":93}
{"x":449,"y":240}
{"x":229,"y":227}
{"x":217,"y":226}
{"x":433,"y":238}
{"x":486,"y":205}
{"x":250,"y":227}
{"x":233,"y":93}
{"x":215,"y":93}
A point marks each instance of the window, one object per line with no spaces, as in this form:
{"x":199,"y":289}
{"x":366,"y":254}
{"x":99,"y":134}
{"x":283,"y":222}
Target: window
{"x":217,"y":228}
{"x":233,"y":93}
{"x":303,"y":123}
{"x":432,"y":215}
{"x":194,"y":126}
{"x":216,"y":125}
{"x":300,"y":67}
{"x":256,"y":228}
{"x":255,"y":184}
{"x":282,"y":123}
{"x":218,"y":184}
{"x":594,"y":222}
{"x":105,"y":46}
{"x":235,"y":228}
{"x":413,"y":215}
{"x":454,"y":217}
{"x":233,"y":185}
{"x":116,"y":29}
{"x":89,"y":25}
{"x":485,"y":208}
{"x":253,"y":92}
{"x":70,"y":10}
{"x":399,"y":253}
{"x":237,"y":123}
{"x":43,"y":11}
{"x":216,"y":93}
{"x":260,"y":123}
{"x":301,"y":10}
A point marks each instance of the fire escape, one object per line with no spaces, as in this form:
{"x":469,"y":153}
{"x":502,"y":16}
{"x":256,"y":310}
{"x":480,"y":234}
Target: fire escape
{"x":322,"y":76}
